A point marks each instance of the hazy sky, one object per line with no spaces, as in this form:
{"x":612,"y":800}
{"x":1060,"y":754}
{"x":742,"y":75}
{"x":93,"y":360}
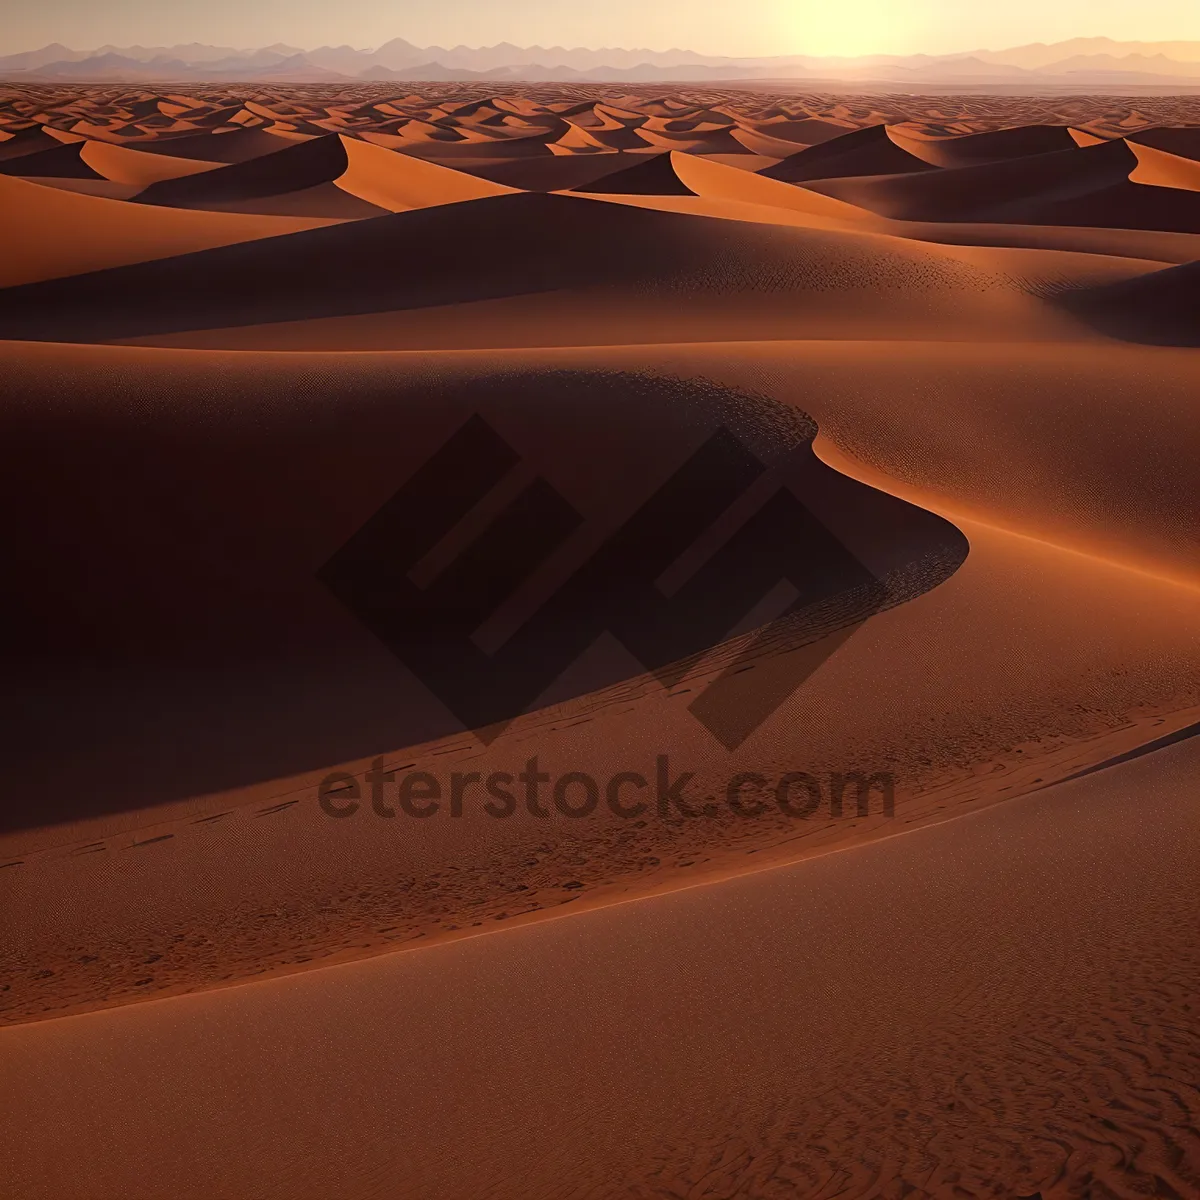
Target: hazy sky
{"x":710,"y":26}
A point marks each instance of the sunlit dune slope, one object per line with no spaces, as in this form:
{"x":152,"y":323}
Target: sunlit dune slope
{"x":1159,"y":168}
{"x":122,"y":164}
{"x":50,"y":233}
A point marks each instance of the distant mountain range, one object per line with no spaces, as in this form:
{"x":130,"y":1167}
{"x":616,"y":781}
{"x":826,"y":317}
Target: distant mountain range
{"x":1082,"y":63}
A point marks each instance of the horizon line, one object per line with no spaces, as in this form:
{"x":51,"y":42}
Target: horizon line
{"x":374,"y":49}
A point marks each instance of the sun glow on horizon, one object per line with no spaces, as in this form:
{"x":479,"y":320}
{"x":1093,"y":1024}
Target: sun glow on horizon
{"x":776,"y":27}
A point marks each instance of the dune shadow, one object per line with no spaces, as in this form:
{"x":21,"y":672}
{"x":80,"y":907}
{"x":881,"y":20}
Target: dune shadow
{"x":1161,"y":308}
{"x":219,"y":587}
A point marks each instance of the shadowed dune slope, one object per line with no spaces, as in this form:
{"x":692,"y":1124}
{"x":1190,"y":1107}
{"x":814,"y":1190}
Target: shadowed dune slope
{"x":559,"y":173}
{"x":1162,"y":308}
{"x":996,"y":146}
{"x":695,"y":141}
{"x":190,"y":604}
{"x":870,"y":151}
{"x":57,"y":162}
{"x":478,"y":145}
{"x":238,"y":145}
{"x":806,"y":131}
{"x":655,"y":176}
{"x":1184,"y":142}
{"x":1087,"y":186}
{"x":996,"y":191}
{"x":763,"y":145}
{"x":600,"y":133}
{"x":27,"y":141}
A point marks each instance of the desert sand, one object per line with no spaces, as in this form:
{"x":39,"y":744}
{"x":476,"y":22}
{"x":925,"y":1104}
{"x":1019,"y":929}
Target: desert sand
{"x":961,"y":332}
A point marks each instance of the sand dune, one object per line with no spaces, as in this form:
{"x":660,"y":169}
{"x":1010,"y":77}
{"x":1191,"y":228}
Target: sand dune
{"x":105,"y":188}
{"x":329,"y":176}
{"x":999,"y":145}
{"x":50,"y":233}
{"x":298,"y":179}
{"x":554,"y":174}
{"x":585,"y":141}
{"x":1146,"y":244}
{"x":735,"y":274}
{"x":475,"y":143}
{"x":363,"y":169}
{"x":806,"y":131}
{"x":695,"y":140}
{"x":26,"y":141}
{"x":871,"y":151}
{"x":704,"y":186}
{"x":124,"y":165}
{"x":703,"y":177}
{"x":65,"y":161}
{"x":236,"y":145}
{"x":654,"y":176}
{"x":1087,"y":186}
{"x":118,"y":618}
{"x":1184,"y":142}
{"x":1061,"y":694}
{"x":601,"y":130}
{"x":1161,"y":169}
{"x":1162,"y":308}
{"x":396,"y":183}
{"x":762,"y":145}
{"x":1005,"y":191}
